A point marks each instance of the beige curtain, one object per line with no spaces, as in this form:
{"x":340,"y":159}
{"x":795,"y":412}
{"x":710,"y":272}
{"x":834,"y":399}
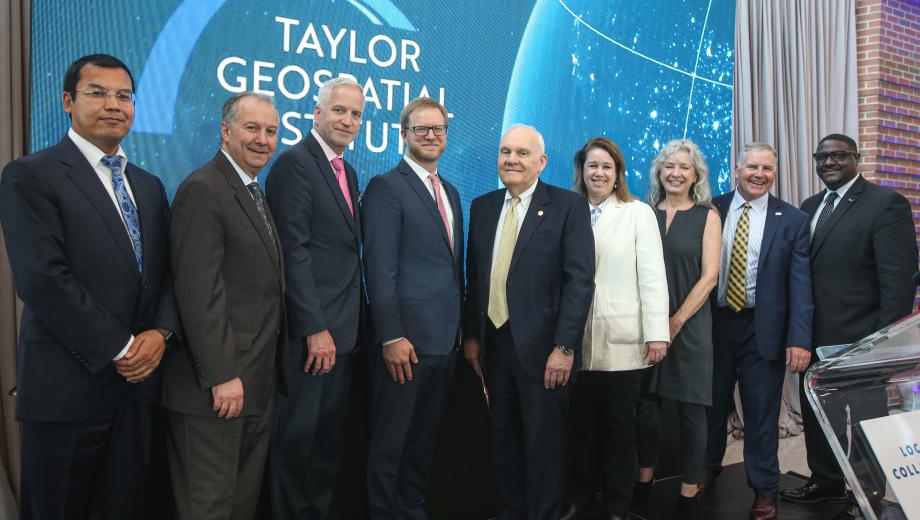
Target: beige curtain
{"x":795,"y":82}
{"x":15,"y":33}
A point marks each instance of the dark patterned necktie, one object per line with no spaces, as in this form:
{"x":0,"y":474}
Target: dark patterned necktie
{"x":259,"y":198}
{"x":126,"y":207}
{"x":736,"y":294}
{"x":825,"y":212}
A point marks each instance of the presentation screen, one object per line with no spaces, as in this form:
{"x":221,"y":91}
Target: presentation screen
{"x":641,"y":72}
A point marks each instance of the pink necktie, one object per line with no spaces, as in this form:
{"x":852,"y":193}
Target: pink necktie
{"x":436,"y":184}
{"x":339,"y":166}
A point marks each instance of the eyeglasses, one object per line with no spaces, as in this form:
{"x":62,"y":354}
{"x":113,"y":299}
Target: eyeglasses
{"x":122,"y":96}
{"x":837,"y":156}
{"x":422,"y":131}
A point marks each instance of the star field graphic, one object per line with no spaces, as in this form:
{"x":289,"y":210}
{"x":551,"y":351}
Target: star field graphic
{"x":638,"y":72}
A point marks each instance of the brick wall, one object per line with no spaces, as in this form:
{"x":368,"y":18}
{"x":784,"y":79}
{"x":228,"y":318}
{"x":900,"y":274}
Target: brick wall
{"x":888,"y":60}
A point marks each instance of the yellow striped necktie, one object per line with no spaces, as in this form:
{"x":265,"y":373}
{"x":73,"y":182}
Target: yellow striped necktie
{"x":498,"y":299}
{"x":736,"y":293}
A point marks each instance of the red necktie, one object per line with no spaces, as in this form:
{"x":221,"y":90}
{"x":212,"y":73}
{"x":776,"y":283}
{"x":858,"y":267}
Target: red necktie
{"x":436,"y":184}
{"x":339,"y":166}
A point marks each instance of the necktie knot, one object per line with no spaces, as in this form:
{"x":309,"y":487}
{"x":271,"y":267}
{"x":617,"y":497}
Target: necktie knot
{"x":338,"y":164}
{"x":831,"y":197}
{"x":113,"y":162}
{"x":746,"y":206}
{"x":515,"y":201}
{"x":435,"y":180}
{"x":256,"y":190}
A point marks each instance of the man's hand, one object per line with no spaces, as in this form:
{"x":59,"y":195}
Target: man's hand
{"x":675,"y":323}
{"x":797,"y":359}
{"x":399,"y":357}
{"x":558,"y":369}
{"x":320,"y":353}
{"x":228,"y":398}
{"x":655,"y":351}
{"x":143,"y":356}
{"x":472,"y":351}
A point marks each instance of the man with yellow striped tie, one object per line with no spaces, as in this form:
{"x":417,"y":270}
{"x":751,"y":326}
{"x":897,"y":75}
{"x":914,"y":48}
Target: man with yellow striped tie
{"x":762,"y":320}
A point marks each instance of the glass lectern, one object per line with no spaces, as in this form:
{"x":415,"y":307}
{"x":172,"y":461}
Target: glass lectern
{"x":867,"y":398}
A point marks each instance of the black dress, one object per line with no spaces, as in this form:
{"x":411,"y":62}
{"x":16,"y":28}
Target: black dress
{"x":685,"y":374}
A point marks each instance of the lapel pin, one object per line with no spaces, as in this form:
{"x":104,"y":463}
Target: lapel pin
{"x":778,"y":213}
{"x":850,"y":199}
{"x":540,"y":213}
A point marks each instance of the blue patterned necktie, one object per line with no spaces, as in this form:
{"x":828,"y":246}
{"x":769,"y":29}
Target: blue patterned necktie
{"x":126,"y":205}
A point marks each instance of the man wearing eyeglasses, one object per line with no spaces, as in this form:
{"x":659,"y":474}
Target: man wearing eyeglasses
{"x":86,"y":237}
{"x":863,"y":255}
{"x":413,"y":256}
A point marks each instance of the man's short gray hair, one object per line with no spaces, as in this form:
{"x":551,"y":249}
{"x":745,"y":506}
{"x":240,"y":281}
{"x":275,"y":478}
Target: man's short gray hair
{"x":532,"y":129}
{"x":755,"y":147}
{"x":326,"y":90}
{"x":232,"y":106}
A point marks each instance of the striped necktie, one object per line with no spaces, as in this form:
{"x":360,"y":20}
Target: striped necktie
{"x":736,"y":293}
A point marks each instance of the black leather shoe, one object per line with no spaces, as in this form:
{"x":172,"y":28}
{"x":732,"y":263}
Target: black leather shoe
{"x":570,"y":511}
{"x":812,"y":492}
{"x":849,"y":512}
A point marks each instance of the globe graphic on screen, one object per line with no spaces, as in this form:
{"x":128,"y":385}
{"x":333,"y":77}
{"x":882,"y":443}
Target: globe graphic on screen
{"x":638,"y":72}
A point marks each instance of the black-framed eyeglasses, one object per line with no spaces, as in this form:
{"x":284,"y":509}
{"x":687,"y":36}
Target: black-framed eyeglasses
{"x":122,"y":96}
{"x":837,"y":156}
{"x":422,"y":131}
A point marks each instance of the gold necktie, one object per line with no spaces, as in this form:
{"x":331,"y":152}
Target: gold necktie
{"x":736,"y":293}
{"x":498,"y":299}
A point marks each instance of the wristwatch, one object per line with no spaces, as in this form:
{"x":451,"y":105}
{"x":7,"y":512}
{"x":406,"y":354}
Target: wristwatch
{"x":168,"y":336}
{"x":566,"y":351}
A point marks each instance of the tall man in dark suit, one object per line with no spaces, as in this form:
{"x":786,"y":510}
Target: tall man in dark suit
{"x":86,"y":235}
{"x":230,"y":291}
{"x":863,"y":255}
{"x":313,"y":194}
{"x":413,"y":255}
{"x":762,"y":321}
{"x":530,"y":280}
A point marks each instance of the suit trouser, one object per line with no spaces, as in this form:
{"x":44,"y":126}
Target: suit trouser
{"x":405,"y":420}
{"x":604,"y":437}
{"x":307,"y":437}
{"x":217,"y":464}
{"x":760,"y":382}
{"x":94,"y":468}
{"x":527,"y":428}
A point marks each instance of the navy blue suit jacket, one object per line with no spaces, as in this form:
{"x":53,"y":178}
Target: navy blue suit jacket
{"x":551,"y":277}
{"x":321,"y":242}
{"x":75,"y":270}
{"x":414,"y":278}
{"x":783,"y":307}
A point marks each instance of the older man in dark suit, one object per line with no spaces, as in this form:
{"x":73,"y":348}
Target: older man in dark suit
{"x":762,"y":321}
{"x":530,"y":279}
{"x":229,"y":287}
{"x":313,"y":194}
{"x":413,"y":254}
{"x":86,"y":235}
{"x":863,"y":255}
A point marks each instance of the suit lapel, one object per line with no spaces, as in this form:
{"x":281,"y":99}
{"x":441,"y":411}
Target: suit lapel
{"x":428,"y":201}
{"x":491,"y":212}
{"x":87,"y":181}
{"x":248,"y":205}
{"x":846,"y":202}
{"x":532,"y":221}
{"x":769,"y":228}
{"x":328,"y":175}
{"x":609,"y":216}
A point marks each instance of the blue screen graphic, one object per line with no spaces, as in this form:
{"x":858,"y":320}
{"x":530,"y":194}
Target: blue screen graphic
{"x":641,"y":72}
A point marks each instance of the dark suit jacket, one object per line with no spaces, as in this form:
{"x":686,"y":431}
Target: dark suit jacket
{"x":230,"y":292}
{"x":862,"y":262}
{"x":75,"y":270}
{"x":321,"y":242}
{"x":783,"y":306}
{"x":414,"y":279}
{"x":551,"y":277}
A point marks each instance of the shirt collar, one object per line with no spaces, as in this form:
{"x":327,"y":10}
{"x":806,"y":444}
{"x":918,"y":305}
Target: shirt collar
{"x":330,"y":153}
{"x":603,"y":205}
{"x":526,"y":196}
{"x":418,"y":170}
{"x":841,"y":191}
{"x":759,"y":204}
{"x":92,"y":152}
{"x":244,"y":177}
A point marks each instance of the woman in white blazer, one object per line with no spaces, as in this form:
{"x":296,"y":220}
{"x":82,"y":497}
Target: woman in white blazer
{"x":626,"y":332}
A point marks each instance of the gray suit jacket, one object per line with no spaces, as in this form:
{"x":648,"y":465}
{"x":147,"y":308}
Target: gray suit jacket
{"x":230,"y":292}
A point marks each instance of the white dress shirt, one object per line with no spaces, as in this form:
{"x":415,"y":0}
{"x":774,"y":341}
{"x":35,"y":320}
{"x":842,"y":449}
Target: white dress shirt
{"x":841,"y":191}
{"x":757,"y":219}
{"x":520,"y":212}
{"x":244,"y":177}
{"x":94,"y":156}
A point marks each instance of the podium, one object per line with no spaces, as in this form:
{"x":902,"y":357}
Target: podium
{"x":867,"y":399}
